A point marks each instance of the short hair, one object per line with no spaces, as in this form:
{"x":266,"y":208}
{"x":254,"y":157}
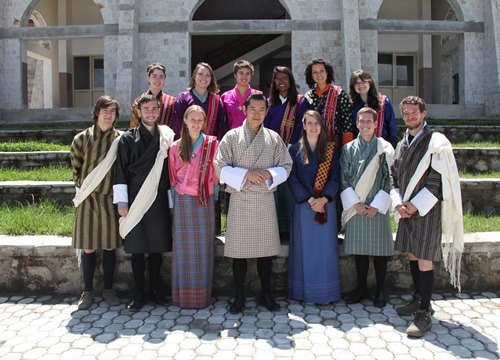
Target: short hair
{"x":241,"y":64}
{"x":368,"y":110}
{"x":413,"y":100}
{"x":156,"y":66}
{"x":257,"y":97}
{"x":213,"y":88}
{"x":308,"y":72}
{"x":103,"y":102}
{"x":147,"y":98}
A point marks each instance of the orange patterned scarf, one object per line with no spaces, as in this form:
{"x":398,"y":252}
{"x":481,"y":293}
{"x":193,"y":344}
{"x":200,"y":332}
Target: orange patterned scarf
{"x":322,"y":177}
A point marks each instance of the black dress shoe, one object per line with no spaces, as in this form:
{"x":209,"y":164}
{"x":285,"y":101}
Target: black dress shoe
{"x":357,"y":296}
{"x":237,"y":305}
{"x":379,"y":300}
{"x":158,"y":298}
{"x":137,"y":303}
{"x":269,"y":303}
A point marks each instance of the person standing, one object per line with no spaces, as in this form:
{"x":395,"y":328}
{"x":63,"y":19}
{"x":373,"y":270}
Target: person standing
{"x":252,"y":161}
{"x":93,"y":154}
{"x":363,"y":92}
{"x":141,"y":192}
{"x":234,"y":99}
{"x":202,"y":91}
{"x":314,"y":272}
{"x":330,"y":100}
{"x":426,"y":197}
{"x":282,"y":117}
{"x":365,"y":188}
{"x":192,"y":175}
{"x":157,"y":75}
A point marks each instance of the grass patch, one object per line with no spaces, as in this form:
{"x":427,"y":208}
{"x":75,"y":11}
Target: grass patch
{"x":487,"y":175}
{"x":456,"y":122}
{"x":14,"y":146}
{"x":52,"y":173}
{"x":44,"y":218}
{"x":474,"y":144}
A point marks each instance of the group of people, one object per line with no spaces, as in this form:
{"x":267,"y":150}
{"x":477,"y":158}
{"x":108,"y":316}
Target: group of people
{"x":290,"y":164}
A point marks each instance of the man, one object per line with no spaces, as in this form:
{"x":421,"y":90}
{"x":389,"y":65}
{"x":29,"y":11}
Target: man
{"x":252,"y":161}
{"x":93,"y":154}
{"x":426,"y":192}
{"x":365,"y":185}
{"x":157,"y":74}
{"x":141,"y":192}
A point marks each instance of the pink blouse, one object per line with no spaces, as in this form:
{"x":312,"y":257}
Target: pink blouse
{"x":234,"y":103}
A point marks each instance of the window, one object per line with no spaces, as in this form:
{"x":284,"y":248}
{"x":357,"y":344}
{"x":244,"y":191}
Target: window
{"x":88,"y":83}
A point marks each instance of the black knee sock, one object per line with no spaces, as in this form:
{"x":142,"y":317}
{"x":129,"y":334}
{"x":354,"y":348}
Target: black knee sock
{"x":88,"y":264}
{"x":154,"y":267}
{"x":362,"y":271}
{"x":138,"y":269}
{"x":239,"y":274}
{"x":380,"y":265}
{"x":108,"y":267}
{"x":426,"y":286}
{"x":415,"y":275}
{"x":264,"y":266}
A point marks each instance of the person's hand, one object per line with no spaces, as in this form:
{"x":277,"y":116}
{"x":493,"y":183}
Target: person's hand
{"x":257,"y":176}
{"x":403,"y":211}
{"x":123,"y":212}
{"x":360,"y":208}
{"x":318,"y":204}
{"x":410,"y":208}
{"x":371,"y":211}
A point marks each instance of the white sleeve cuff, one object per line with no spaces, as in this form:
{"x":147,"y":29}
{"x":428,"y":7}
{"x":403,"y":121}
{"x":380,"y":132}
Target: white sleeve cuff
{"x":120,"y":193}
{"x":424,"y":201}
{"x":233,"y":176}
{"x":349,"y":198}
{"x":395,"y":198}
{"x":279,"y":176}
{"x":381,"y":201}
{"x":170,"y":199}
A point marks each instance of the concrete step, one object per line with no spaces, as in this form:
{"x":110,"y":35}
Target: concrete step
{"x":473,"y":160}
{"x":479,"y":196}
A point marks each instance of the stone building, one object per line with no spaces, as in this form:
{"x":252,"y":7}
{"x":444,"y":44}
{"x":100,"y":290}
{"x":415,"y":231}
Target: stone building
{"x":60,"y":55}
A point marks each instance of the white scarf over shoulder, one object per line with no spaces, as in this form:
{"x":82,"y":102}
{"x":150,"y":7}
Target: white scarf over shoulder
{"x":149,"y":189}
{"x":443,"y":161}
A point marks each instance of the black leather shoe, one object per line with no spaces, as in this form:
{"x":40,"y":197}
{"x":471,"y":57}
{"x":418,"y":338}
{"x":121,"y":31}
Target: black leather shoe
{"x":357,"y":296}
{"x":237,"y":305}
{"x":137,"y":303}
{"x":158,"y":298}
{"x":269,"y":303}
{"x":379,"y":300}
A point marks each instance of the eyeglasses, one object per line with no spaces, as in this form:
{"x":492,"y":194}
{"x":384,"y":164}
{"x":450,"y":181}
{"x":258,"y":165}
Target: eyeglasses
{"x":358,"y":83}
{"x":281,"y":80}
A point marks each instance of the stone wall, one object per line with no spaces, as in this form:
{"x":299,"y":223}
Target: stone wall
{"x":45,"y":264}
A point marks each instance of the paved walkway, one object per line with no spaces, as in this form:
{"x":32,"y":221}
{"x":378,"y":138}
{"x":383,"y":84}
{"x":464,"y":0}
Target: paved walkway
{"x":46,"y":327}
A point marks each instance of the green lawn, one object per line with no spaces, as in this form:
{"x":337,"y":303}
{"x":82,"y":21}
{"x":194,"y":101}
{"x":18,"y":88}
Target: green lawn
{"x":14,"y":146}
{"x":488,"y":175}
{"x":40,"y":174}
{"x":479,"y":144}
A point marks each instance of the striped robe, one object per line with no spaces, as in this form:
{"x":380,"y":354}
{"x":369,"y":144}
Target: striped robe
{"x":252,"y":226}
{"x":96,"y":218}
{"x":364,"y":235}
{"x":419,"y":235}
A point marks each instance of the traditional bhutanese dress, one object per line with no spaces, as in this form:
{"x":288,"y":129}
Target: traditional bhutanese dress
{"x":166,"y":109}
{"x":96,"y":219}
{"x":214,"y":109}
{"x":386,"y":119}
{"x":365,"y":235}
{"x":252,"y":227}
{"x":233,"y":103}
{"x":193,"y":247}
{"x":313,"y":260}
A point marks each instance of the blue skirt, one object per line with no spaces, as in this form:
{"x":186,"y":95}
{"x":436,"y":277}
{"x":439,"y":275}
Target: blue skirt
{"x":313,"y":261}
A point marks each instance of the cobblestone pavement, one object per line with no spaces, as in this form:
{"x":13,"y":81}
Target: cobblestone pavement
{"x":45,"y":327}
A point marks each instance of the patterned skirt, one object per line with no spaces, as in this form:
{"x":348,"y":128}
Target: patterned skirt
{"x":193,"y":252}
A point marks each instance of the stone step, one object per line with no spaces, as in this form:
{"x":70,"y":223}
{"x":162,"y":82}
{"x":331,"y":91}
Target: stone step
{"x":473,"y":160}
{"x":479,"y":196}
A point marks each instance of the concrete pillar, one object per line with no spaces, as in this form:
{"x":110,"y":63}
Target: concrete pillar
{"x":351,"y":48}
{"x":492,"y":61}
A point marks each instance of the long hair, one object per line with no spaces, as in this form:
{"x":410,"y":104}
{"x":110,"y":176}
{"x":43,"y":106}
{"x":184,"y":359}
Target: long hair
{"x":322,"y":140}
{"x":354,"y":97}
{"x":274,"y":94}
{"x":308,"y":73}
{"x":185,"y":147}
{"x":213,"y":88}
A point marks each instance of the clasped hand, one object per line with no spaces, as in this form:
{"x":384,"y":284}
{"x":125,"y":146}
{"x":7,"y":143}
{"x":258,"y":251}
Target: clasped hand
{"x":257,"y":176}
{"x":365,"y":210}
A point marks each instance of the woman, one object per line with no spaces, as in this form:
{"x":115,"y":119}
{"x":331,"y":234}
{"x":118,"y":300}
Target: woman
{"x":329,"y":100}
{"x":363,"y":92}
{"x":282,"y":117}
{"x":202,"y":91}
{"x":314,"y":274}
{"x":156,"y":80}
{"x":365,"y":186}
{"x":192,"y":175}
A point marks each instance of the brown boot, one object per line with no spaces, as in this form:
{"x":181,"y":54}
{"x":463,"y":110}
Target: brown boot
{"x":421,"y":324}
